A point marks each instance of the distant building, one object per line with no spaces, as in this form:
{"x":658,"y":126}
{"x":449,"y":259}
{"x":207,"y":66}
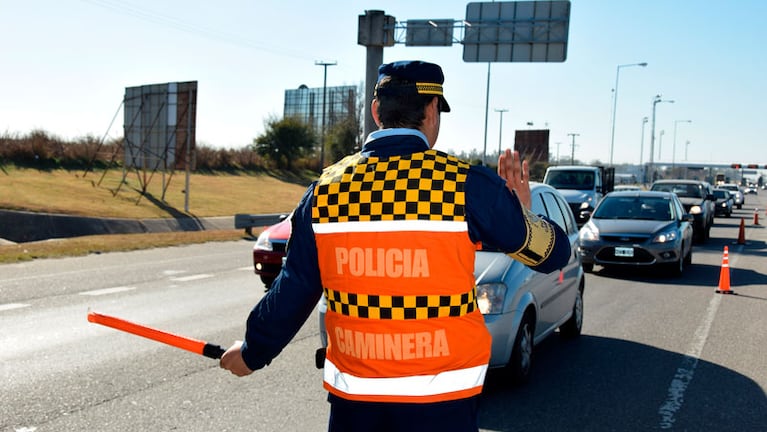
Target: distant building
{"x":305,"y":104}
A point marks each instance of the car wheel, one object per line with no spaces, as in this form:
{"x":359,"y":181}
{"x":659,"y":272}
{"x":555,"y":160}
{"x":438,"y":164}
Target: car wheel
{"x":677,"y":267}
{"x":267,"y":280}
{"x":572,"y":327}
{"x":521,"y":361}
{"x":588,"y":267}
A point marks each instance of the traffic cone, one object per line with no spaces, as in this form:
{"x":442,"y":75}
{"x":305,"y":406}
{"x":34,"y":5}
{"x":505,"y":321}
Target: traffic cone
{"x":724,"y":274}
{"x":756,"y":216}
{"x":742,"y":232}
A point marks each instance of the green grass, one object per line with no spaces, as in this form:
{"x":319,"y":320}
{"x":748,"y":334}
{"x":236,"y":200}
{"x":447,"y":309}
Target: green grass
{"x":110,"y":194}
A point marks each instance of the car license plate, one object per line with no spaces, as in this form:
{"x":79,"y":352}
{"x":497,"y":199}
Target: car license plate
{"x":624,"y":252}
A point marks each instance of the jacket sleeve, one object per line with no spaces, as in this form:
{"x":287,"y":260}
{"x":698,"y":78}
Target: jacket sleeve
{"x":294,"y":294}
{"x":497,"y":218}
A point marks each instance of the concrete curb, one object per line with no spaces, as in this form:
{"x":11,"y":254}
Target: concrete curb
{"x":20,"y":226}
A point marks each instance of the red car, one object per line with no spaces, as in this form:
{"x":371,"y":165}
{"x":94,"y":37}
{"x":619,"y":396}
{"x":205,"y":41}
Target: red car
{"x":269,"y":251}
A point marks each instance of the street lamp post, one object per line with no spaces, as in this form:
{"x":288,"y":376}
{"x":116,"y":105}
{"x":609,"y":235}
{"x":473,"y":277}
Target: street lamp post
{"x":500,"y":129}
{"x":673,"y":148}
{"x":660,"y":143}
{"x":641,"y":150}
{"x":655,"y":101}
{"x":615,"y":104}
{"x":324,"y":93}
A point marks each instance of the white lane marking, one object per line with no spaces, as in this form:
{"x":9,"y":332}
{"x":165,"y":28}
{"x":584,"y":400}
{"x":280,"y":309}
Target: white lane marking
{"x":248,"y":268}
{"x":106,"y":291}
{"x":191,"y":278}
{"x":686,"y":370}
{"x":12,"y":306}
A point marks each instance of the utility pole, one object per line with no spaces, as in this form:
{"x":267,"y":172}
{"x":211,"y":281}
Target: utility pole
{"x":572,"y":154}
{"x":324,"y":93}
{"x":500,"y":130}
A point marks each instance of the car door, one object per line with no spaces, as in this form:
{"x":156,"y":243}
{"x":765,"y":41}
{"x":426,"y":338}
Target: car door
{"x":555,"y":291}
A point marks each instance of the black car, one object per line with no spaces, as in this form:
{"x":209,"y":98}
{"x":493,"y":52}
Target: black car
{"x":698,"y":199}
{"x":724,"y":202}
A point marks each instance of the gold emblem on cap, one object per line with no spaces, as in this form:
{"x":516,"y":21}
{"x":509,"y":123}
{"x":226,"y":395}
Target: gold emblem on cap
{"x":428,"y":88}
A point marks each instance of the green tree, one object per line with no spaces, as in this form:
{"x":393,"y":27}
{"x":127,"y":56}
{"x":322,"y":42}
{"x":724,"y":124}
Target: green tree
{"x":285,"y":141}
{"x":343,"y":139}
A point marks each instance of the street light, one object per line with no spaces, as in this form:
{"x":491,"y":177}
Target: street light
{"x":641,"y":149}
{"x":673,"y":149}
{"x":655,"y":101}
{"x":660,"y":143}
{"x":615,"y":103}
{"x":324,"y":92}
{"x":500,"y":130}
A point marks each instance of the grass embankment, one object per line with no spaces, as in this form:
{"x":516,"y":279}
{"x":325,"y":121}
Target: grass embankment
{"x":113,"y":194}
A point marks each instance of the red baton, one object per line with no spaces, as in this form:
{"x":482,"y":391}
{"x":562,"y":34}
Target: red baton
{"x":194,"y":345}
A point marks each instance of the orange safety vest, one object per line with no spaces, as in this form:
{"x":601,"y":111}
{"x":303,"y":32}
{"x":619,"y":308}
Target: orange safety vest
{"x":397,"y":266}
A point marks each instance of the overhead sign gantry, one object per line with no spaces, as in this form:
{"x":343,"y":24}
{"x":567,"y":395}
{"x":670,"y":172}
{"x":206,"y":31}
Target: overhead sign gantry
{"x":521,"y":31}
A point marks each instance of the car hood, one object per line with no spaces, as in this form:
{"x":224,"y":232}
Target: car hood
{"x":634,"y":226}
{"x":490,"y":267}
{"x":574,"y":195}
{"x":690,"y":201}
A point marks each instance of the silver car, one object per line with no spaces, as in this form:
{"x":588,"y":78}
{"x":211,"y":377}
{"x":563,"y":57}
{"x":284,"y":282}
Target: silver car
{"x":738,"y":198}
{"x":638,"y":229}
{"x":522,"y":307}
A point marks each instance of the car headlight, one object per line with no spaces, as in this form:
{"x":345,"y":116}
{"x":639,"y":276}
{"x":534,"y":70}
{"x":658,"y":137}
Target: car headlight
{"x":723,"y":205}
{"x":589,"y":232}
{"x":585,"y":205}
{"x":665,"y":237}
{"x":695,"y":210}
{"x":263,"y":243}
{"x":490,"y":298}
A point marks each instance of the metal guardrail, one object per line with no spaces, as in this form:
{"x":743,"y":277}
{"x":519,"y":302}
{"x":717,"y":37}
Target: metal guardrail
{"x":250,"y":221}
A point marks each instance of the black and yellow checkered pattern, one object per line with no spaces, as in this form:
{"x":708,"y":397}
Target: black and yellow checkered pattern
{"x":400,"y":307}
{"x":426,"y":185}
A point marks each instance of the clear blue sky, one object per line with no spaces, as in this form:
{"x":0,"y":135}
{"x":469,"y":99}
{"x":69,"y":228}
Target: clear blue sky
{"x":66,"y":63}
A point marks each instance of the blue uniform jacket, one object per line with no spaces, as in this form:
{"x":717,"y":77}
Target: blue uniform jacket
{"x":493,"y":215}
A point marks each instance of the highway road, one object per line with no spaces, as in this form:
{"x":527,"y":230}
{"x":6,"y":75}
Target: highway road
{"x":657,"y":353}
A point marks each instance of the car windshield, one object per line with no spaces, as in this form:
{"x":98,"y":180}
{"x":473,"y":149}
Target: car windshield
{"x":680,"y":189}
{"x":575,"y":179}
{"x":721,"y":194}
{"x":634,"y":207}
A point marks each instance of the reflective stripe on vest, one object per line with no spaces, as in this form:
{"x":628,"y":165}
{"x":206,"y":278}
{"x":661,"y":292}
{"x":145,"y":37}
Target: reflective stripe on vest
{"x":416,"y":387}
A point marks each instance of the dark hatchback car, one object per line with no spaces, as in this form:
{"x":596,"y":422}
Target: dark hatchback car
{"x":638,"y":229}
{"x":724,"y":202}
{"x":698,"y":199}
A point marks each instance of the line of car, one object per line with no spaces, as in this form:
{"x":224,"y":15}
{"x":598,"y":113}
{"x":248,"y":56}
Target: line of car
{"x":521,"y":307}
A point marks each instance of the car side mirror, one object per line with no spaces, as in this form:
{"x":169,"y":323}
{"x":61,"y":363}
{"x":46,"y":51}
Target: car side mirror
{"x":688,"y":217}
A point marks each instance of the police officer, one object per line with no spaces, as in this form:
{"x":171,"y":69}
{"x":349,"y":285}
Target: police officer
{"x":388,"y":236}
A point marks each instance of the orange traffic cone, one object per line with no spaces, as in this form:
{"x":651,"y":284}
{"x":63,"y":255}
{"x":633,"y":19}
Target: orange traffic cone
{"x":742,"y":232}
{"x":756,"y":216}
{"x":724,"y":274}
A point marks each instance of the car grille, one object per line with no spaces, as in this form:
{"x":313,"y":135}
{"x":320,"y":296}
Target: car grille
{"x":624,"y":239}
